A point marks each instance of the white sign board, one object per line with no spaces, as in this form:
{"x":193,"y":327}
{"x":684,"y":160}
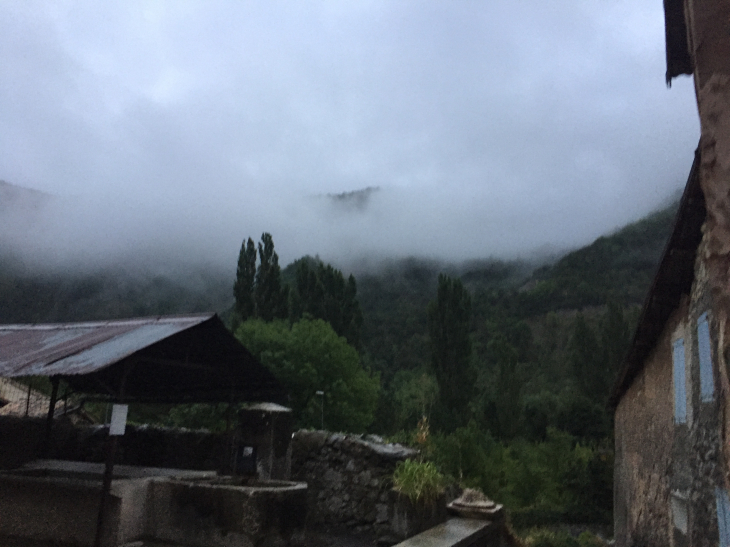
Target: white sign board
{"x":119,"y":419}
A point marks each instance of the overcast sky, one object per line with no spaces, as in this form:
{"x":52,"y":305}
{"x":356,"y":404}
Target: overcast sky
{"x":491,"y":127}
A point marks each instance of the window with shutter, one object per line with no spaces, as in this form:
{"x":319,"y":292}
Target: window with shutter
{"x":680,"y":391}
{"x":707,"y":383}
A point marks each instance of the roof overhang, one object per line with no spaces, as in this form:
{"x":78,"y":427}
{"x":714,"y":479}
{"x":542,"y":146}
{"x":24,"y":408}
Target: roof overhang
{"x":173,"y":359}
{"x":674,"y":278}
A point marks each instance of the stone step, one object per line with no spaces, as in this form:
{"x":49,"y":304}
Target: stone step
{"x":456,"y":532}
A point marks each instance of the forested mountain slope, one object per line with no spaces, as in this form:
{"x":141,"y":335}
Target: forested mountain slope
{"x":617,"y":267}
{"x":37,"y":295}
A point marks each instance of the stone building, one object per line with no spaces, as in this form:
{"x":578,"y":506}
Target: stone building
{"x":672,"y":400}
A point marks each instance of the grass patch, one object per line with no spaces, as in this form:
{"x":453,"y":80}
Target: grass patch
{"x":420,"y":481}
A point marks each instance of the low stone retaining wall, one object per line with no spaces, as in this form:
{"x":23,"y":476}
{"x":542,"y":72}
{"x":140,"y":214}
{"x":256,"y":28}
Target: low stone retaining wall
{"x":349,"y":478}
{"x":55,"y":501}
{"x":23,"y":440}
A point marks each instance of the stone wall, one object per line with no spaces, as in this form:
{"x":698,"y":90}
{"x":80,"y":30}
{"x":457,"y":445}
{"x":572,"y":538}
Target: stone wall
{"x":666,"y":473}
{"x":22,"y":440}
{"x":349,"y":476}
{"x":645,"y":418}
{"x":349,"y":479}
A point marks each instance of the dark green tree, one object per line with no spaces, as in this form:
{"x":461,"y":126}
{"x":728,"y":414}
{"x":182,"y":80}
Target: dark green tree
{"x":243,"y":288}
{"x":322,"y":292}
{"x":308,"y":357}
{"x":449,"y":322}
{"x":508,"y":385}
{"x":615,"y":337}
{"x":585,"y":359}
{"x":308,"y":296}
{"x":271,"y":298}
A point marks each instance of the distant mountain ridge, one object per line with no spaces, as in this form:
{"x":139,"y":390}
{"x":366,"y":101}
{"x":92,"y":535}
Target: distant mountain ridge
{"x":356,"y":200}
{"x":18,"y":198}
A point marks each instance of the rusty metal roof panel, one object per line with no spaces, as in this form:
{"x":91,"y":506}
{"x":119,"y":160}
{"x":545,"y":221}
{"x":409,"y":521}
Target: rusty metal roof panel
{"x":81,"y":348}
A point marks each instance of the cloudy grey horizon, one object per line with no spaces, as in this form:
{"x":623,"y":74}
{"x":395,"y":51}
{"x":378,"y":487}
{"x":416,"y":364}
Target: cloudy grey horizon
{"x":491,"y":129}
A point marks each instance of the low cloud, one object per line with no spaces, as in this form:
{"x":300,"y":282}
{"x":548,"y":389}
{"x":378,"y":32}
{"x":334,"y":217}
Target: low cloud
{"x":169,"y":132}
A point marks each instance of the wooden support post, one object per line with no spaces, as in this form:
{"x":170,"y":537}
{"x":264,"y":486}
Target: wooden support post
{"x":55,"y":380}
{"x":111,"y":451}
{"x":27,"y":400}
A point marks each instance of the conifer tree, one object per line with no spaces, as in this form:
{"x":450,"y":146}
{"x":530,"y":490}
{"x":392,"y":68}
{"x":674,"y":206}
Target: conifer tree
{"x":271,"y":298}
{"x":584,"y":357}
{"x":449,"y":321}
{"x":243,"y":288}
{"x":323,"y":293}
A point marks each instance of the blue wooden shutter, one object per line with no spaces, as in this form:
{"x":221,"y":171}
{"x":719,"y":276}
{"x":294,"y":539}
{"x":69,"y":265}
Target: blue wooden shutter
{"x":680,"y":391}
{"x":723,"y":516}
{"x":707,"y":383}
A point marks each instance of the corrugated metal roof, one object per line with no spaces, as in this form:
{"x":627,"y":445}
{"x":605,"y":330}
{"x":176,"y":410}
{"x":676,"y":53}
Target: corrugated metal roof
{"x":82,"y":348}
{"x":172,"y":359}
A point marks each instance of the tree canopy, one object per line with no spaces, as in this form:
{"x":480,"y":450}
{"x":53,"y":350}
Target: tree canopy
{"x":243,"y":288}
{"x":258,"y":291}
{"x":309,"y":357}
{"x":449,"y":325}
{"x":322,"y":292}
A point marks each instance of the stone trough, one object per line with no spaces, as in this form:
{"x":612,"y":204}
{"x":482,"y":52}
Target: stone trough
{"x":57,"y":501}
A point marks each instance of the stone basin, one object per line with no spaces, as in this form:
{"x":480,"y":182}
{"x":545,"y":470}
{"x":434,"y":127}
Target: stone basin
{"x":57,"y":501}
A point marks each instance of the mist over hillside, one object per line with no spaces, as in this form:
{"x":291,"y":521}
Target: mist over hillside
{"x":53,"y":267}
{"x":356,"y":230}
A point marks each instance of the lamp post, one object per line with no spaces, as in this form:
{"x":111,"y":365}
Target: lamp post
{"x":321,"y":394}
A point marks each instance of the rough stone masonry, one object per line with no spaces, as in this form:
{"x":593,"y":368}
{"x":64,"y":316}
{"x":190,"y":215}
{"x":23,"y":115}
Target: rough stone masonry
{"x":349,"y":478}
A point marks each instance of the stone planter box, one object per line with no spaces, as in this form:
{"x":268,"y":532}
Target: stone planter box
{"x":408,"y":518}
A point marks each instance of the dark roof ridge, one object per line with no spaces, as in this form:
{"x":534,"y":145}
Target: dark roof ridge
{"x":673,"y":278}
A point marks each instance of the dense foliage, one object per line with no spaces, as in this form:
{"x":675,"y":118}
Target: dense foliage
{"x":449,"y":321}
{"x":309,"y":357}
{"x":320,"y":291}
{"x":258,"y":290}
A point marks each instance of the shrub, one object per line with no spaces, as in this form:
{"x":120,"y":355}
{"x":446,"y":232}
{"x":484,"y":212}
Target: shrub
{"x":420,"y":481}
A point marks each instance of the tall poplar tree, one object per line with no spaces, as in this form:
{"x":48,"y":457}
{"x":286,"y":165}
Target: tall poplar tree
{"x":243,"y":288}
{"x":271,"y":298}
{"x":449,"y":321}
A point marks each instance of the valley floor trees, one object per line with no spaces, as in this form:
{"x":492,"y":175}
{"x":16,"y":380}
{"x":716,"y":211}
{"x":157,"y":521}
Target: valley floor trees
{"x":307,"y":334}
{"x":449,"y":327}
{"x":309,"y":357}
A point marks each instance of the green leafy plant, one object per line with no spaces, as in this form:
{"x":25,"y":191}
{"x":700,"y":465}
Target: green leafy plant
{"x":419,"y":481}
